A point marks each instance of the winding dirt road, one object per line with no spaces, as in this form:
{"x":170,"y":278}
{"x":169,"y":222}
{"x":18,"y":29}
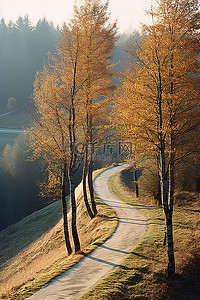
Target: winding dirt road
{"x":80,"y":278}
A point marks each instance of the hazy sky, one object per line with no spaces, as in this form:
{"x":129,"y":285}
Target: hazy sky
{"x":128,"y":12}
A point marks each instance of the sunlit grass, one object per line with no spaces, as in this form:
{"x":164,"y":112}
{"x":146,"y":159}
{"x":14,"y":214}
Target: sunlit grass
{"x":40,"y":253}
{"x":141,"y":275}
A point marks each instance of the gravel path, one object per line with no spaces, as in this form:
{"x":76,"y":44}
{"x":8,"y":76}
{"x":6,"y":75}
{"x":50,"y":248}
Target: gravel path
{"x":80,"y":278}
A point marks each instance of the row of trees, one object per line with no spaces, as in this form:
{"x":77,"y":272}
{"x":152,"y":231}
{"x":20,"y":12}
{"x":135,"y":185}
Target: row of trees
{"x":156,"y":106}
{"x":158,"y":102}
{"x":70,"y":95}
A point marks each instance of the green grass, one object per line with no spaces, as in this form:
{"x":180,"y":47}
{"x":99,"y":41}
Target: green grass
{"x":135,"y":267}
{"x":142,"y":275}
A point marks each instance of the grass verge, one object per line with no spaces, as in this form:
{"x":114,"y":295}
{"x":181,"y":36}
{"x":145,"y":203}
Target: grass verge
{"x":45,"y":258}
{"x":141,"y":275}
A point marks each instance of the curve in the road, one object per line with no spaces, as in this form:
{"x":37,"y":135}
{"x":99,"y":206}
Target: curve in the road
{"x":131,"y":228}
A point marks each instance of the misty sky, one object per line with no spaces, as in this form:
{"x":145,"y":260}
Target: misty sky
{"x":128,"y":12}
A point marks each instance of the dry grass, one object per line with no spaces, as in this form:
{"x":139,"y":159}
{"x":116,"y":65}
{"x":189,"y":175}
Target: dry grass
{"x":45,"y":257}
{"x":185,"y":284}
{"x":142,"y":274}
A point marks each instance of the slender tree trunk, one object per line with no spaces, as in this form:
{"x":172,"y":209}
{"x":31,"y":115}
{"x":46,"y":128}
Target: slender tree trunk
{"x":171,"y":175}
{"x":170,"y":187}
{"x":136,"y":184}
{"x":64,"y":210}
{"x":90,"y":165}
{"x":164,"y":181}
{"x":73,"y":207}
{"x":91,"y":189}
{"x":168,"y":218}
{"x":159,"y":192}
{"x":85,"y":169}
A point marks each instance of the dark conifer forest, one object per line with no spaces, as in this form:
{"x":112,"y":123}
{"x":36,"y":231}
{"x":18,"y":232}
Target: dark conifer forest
{"x":23,"y":50}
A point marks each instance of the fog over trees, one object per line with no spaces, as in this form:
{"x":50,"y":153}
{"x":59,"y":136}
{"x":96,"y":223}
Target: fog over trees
{"x":22,"y":52}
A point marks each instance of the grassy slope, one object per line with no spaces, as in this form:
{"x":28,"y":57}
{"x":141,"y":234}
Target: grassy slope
{"x":141,"y":274}
{"x":39,"y":250}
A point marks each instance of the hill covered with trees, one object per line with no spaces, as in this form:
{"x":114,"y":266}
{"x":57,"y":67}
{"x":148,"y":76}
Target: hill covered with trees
{"x":22,"y":52}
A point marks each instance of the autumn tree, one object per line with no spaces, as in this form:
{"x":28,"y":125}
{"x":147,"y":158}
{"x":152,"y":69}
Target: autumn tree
{"x":161,"y":95}
{"x":68,"y":66}
{"x":67,"y":96}
{"x":97,"y":38}
{"x":46,"y":138}
{"x":180,"y":22}
{"x":56,"y":131}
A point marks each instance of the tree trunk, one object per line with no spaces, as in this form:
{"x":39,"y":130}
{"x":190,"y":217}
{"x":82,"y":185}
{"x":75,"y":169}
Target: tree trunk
{"x":90,"y":185}
{"x":90,"y":160}
{"x":171,"y":177}
{"x":136,"y":184}
{"x":170,"y":187}
{"x":85,"y":167}
{"x":168,"y":216}
{"x":73,"y":207}
{"x":163,"y":178}
{"x":64,"y":210}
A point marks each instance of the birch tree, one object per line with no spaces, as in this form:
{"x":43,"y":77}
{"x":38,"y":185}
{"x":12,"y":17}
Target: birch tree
{"x":67,"y":65}
{"x":97,"y":40}
{"x":162,"y":92}
{"x":180,"y":22}
{"x":56,"y":130}
{"x":47,"y":139}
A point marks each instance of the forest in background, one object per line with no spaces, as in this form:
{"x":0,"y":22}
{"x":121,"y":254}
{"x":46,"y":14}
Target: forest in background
{"x":22,"y":52}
